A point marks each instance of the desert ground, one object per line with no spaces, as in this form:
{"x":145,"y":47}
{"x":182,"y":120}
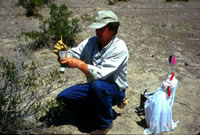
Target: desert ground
{"x":153,"y":30}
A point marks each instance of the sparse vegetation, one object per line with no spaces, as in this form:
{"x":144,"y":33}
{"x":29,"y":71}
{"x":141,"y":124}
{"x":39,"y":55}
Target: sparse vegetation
{"x":23,"y":89}
{"x":59,"y":23}
{"x":176,"y":0}
{"x":111,"y":2}
{"x":22,"y":93}
{"x":87,"y":18}
{"x":62,"y":23}
{"x":32,"y":6}
{"x":182,"y":27}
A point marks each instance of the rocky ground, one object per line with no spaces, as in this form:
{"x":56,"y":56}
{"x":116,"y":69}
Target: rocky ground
{"x":152,"y":30}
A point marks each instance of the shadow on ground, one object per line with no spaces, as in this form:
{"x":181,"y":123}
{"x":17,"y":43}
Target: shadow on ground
{"x":81,"y":118}
{"x":142,"y":123}
{"x":141,"y":114}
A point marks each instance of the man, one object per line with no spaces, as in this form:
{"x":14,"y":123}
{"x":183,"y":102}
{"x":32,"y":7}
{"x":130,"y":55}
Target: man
{"x":103,"y":59}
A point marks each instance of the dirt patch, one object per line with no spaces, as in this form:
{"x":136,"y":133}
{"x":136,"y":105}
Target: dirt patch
{"x":152,"y":30}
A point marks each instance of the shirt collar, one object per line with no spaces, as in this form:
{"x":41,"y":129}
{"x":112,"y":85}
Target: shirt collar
{"x":109,"y":44}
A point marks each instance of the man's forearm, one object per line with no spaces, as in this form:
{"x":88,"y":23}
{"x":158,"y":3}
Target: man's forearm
{"x":83,"y":67}
{"x":75,"y":63}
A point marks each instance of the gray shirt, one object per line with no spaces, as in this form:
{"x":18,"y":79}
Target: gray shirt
{"x":108,"y":64}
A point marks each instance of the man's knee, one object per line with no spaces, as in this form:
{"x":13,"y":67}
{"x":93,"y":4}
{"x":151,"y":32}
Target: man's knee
{"x":58,"y":98}
{"x":62,"y":97}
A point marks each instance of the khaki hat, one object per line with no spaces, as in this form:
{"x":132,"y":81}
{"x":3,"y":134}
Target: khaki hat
{"x":102,"y":18}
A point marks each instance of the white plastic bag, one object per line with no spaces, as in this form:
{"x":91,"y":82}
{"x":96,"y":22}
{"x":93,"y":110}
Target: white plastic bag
{"x":158,"y":108}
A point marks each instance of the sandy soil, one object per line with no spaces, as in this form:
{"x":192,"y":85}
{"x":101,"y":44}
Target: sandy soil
{"x":152,"y":30}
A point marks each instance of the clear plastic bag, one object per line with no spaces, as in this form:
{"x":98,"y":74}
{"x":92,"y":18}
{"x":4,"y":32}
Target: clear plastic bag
{"x":158,"y":108}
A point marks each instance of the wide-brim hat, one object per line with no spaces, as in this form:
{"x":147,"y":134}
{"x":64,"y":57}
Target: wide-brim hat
{"x":102,"y":18}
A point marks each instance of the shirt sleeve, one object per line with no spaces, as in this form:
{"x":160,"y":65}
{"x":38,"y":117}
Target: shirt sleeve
{"x":76,"y":52}
{"x":109,"y":64}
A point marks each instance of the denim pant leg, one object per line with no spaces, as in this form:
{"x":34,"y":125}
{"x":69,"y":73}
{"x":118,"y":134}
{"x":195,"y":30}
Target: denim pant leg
{"x":74,"y":95}
{"x":103,"y":96}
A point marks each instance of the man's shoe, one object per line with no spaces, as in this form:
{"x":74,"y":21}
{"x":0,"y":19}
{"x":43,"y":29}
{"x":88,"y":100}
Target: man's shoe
{"x":101,"y":132}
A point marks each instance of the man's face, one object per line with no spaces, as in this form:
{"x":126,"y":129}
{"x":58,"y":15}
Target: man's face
{"x":104,"y":35}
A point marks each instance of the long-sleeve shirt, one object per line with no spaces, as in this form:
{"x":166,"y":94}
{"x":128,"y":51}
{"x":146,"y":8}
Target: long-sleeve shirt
{"x":108,"y":64}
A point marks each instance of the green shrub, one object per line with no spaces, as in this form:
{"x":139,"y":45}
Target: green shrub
{"x":31,"y":6}
{"x":176,"y":0}
{"x":22,"y":89}
{"x":59,"y":23}
{"x":87,"y":18}
{"x":111,"y":2}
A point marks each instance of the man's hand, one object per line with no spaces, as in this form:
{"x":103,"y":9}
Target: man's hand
{"x":71,"y":62}
{"x":59,"y":46}
{"x":75,"y":63}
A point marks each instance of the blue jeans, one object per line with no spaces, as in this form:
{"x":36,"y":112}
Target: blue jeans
{"x":100,"y":96}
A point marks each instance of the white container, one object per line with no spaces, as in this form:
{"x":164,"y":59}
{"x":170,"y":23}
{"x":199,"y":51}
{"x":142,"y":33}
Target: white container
{"x":62,"y":54}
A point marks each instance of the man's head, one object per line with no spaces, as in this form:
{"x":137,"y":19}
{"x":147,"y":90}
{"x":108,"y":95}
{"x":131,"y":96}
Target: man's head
{"x":106,"y":24}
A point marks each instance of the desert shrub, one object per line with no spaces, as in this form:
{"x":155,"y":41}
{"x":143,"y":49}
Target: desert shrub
{"x":87,"y":18}
{"x":59,"y":23}
{"x":40,"y":38}
{"x":22,"y":93}
{"x":111,"y":2}
{"x":32,"y":6}
{"x":176,"y":0}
